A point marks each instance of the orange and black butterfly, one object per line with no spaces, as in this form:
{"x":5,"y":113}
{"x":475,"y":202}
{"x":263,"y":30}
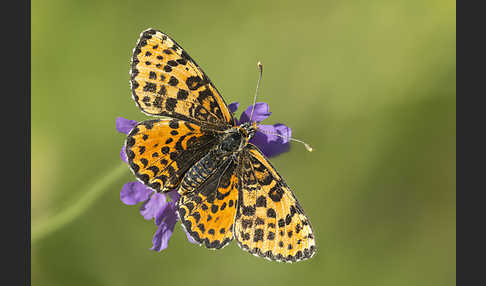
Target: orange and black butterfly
{"x":229,"y":190}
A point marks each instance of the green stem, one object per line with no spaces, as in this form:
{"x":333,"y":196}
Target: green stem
{"x":50,"y":224}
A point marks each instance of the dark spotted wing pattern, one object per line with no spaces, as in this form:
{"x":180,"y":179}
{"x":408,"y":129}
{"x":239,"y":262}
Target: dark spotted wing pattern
{"x":159,"y":152}
{"x":167,"y":82}
{"x":208,"y":210}
{"x":270,"y":221}
{"x":227,"y":190}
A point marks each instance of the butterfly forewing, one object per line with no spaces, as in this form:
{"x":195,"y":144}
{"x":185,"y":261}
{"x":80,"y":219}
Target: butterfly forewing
{"x":159,"y":152}
{"x":270,"y":221}
{"x":166,"y":81}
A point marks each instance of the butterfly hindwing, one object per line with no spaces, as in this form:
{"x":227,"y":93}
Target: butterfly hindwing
{"x":208,"y":212}
{"x":227,"y":189}
{"x":166,"y":81}
{"x":270,"y":221}
{"x":159,"y":152}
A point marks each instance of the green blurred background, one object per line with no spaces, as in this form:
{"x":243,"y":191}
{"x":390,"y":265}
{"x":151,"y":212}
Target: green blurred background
{"x":371,"y":85}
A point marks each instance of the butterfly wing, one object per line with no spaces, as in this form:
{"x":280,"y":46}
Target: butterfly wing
{"x":166,"y":81}
{"x":208,"y":212}
{"x":159,"y":152}
{"x":270,"y":221}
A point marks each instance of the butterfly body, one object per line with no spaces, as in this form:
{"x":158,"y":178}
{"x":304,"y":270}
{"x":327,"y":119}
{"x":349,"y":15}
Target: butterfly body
{"x":230,"y":144}
{"x":202,"y":170}
{"x":229,"y":190}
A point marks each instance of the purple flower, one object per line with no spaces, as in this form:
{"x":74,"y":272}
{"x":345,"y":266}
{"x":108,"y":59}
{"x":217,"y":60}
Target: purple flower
{"x":124,"y":126}
{"x":162,"y":207}
{"x":270,"y":145}
{"x":154,"y":205}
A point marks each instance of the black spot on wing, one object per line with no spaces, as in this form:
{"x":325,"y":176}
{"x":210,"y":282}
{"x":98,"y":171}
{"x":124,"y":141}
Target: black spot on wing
{"x":261,"y":201}
{"x":150,"y":87}
{"x":194,"y":82}
{"x":173,"y":81}
{"x":170,"y":104}
{"x":182,"y":94}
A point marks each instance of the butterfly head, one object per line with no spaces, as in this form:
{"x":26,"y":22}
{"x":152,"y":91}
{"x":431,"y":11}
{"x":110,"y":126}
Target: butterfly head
{"x":247,"y":130}
{"x":237,"y":138}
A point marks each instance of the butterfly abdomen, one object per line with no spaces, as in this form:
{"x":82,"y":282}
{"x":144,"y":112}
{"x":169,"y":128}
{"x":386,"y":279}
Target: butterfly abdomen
{"x":202,"y":170}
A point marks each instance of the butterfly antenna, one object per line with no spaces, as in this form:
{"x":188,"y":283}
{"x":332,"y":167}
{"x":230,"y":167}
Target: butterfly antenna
{"x":260,"y":69}
{"x":307,"y":146}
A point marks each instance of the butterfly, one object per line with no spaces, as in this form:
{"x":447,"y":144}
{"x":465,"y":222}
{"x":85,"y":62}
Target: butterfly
{"x":229,"y":190}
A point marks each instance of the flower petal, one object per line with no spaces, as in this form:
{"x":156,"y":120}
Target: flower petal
{"x":166,"y":211}
{"x":166,"y":219}
{"x":259,"y":114}
{"x":124,"y":125}
{"x":123,"y":154}
{"x":163,"y":234}
{"x":151,"y":208}
{"x":189,"y":237}
{"x":234,"y":106}
{"x":279,"y":129}
{"x":174,"y":195}
{"x":133,"y":193}
{"x":272,"y":145}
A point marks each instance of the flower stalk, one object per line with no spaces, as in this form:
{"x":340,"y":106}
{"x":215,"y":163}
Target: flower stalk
{"x":50,"y":224}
